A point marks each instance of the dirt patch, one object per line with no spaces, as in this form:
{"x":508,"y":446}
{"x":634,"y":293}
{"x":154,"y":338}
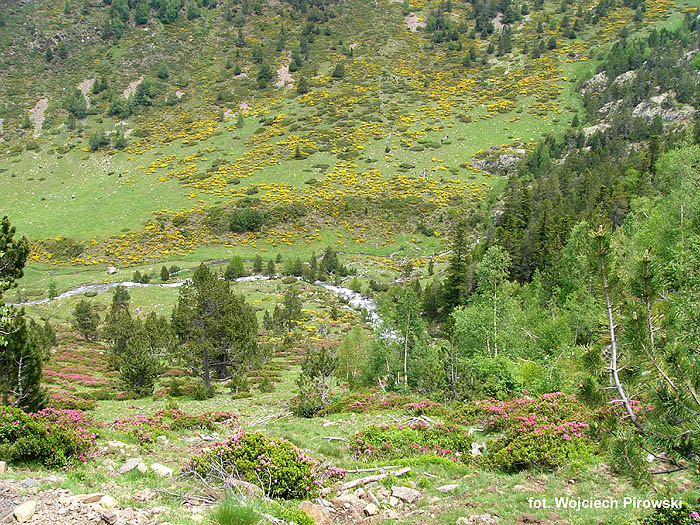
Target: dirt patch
{"x":85,"y":87}
{"x":131,"y":89}
{"x":36,"y":115}
{"x":412,"y":22}
{"x":497,"y":25}
{"x":283,"y":77}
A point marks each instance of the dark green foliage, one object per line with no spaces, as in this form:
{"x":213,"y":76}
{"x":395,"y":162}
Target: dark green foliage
{"x":265,"y":75}
{"x":22,"y":354}
{"x":168,"y":11}
{"x":138,"y":364}
{"x":257,"y":264}
{"x":98,"y":140}
{"x":217,"y":329}
{"x":234,"y":269}
{"x":76,"y":104}
{"x":284,"y":470}
{"x":146,"y":91}
{"x":400,"y":441}
{"x":339,"y":71}
{"x":303,"y":85}
{"x":246,"y":219}
{"x":164,"y":274}
{"x":85,"y":320}
{"x":120,"y":107}
{"x":315,"y":382}
{"x":26,"y":437}
{"x":546,"y":449}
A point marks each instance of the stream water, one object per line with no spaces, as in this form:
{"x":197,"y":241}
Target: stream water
{"x":355,"y":299}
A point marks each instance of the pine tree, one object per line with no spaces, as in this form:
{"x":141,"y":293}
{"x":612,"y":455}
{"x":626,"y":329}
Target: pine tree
{"x":216,"y":328}
{"x":85,"y":320}
{"x":21,"y":356}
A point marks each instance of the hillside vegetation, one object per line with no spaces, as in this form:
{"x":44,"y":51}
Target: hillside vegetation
{"x":317,"y":261}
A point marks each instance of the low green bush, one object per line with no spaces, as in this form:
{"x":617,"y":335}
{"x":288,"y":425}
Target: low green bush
{"x":284,"y":470}
{"x":415,"y":439}
{"x":52,"y":437}
{"x":544,"y":448}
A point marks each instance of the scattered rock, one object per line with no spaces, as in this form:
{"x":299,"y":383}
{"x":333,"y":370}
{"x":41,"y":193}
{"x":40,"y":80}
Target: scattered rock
{"x":36,"y":115}
{"x":142,"y":468}
{"x":111,"y":270}
{"x":596,"y":83}
{"x":109,"y":516}
{"x":31,"y":482}
{"x":319,"y":514}
{"x":3,"y":467}
{"x":371,"y":509}
{"x":244,"y":487}
{"x":130,"y":465}
{"x":25,"y":511}
{"x":108,"y":502}
{"x":162,"y":470}
{"x":448,"y":488}
{"x":88,"y":498}
{"x":406,"y":494}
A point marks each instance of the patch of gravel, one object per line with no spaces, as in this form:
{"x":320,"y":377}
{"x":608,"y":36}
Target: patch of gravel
{"x":283,"y":77}
{"x":85,"y":88}
{"x":412,"y":22}
{"x":131,"y":88}
{"x":36,"y":114}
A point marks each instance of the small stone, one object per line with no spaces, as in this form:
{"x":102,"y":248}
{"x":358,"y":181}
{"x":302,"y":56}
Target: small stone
{"x":435,"y":499}
{"x":249,"y":489}
{"x":162,"y":470}
{"x":393,"y":501}
{"x":53,"y":479}
{"x":319,"y":514}
{"x":111,"y":270}
{"x":3,"y":467}
{"x":162,"y":439}
{"x":108,"y":502}
{"x":25,"y":511}
{"x":158,"y":510}
{"x":31,"y":482}
{"x":142,"y":468}
{"x":448,"y":488}
{"x":88,"y":498}
{"x":371,"y":509}
{"x":519,"y":488}
{"x":109,"y":516}
{"x":406,"y":494}
{"x":360,"y":493}
{"x":129,"y":465}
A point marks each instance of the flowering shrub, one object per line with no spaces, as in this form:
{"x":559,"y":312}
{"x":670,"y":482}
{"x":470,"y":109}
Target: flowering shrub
{"x":524,"y":414}
{"x":425,"y":408}
{"x":280,"y":468}
{"x":544,"y":432}
{"x":547,"y":447}
{"x":389,"y":441}
{"x":68,"y":401}
{"x":367,"y":401}
{"x":611,"y":415}
{"x":685,"y":515}
{"x":50,"y":436}
{"x":372,"y":400}
{"x":145,"y":428}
